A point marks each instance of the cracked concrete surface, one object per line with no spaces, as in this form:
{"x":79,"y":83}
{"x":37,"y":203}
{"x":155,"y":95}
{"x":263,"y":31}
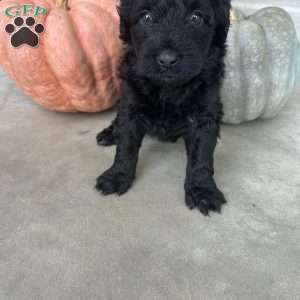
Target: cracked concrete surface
{"x":60,"y":239}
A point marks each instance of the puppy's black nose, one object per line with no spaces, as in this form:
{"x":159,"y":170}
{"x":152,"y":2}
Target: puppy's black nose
{"x":167,"y":58}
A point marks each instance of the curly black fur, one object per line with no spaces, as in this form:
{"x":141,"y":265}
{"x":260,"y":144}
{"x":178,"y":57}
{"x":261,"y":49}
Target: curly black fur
{"x":172,"y":72}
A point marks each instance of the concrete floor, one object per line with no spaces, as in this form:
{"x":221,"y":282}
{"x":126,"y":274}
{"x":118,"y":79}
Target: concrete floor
{"x":60,"y":239}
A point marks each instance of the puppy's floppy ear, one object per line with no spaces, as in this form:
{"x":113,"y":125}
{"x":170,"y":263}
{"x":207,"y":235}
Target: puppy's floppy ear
{"x":124,"y":9}
{"x":222,"y":9}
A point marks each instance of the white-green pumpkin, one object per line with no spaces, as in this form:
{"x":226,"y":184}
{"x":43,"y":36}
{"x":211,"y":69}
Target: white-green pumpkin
{"x":262,"y":65}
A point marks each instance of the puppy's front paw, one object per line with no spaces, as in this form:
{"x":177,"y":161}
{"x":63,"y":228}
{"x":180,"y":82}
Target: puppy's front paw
{"x":205,"y":198}
{"x":106,"y":137}
{"x":114,"y":181}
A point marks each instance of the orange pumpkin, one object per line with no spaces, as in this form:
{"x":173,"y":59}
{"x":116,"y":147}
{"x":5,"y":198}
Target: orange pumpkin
{"x":74,"y":67}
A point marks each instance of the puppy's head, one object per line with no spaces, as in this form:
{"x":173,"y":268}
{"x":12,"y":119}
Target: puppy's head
{"x":173,"y":40}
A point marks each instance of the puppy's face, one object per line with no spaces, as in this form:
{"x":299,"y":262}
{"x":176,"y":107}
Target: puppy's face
{"x":172,"y":39}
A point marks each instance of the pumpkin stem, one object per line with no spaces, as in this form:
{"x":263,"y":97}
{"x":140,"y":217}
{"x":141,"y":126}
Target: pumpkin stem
{"x":233,"y":17}
{"x":298,"y":64}
{"x":63,"y":4}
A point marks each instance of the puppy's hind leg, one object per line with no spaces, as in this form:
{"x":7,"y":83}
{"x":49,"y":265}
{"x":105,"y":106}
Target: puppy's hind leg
{"x":108,"y":136}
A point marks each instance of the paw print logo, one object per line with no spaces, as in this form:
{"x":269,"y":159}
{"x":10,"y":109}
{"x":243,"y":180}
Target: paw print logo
{"x":24,"y":32}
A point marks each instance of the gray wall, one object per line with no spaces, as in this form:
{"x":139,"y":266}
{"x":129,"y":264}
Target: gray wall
{"x":292,"y":6}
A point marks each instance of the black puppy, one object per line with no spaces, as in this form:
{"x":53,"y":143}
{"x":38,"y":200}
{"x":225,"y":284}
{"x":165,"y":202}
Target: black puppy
{"x":172,"y":72}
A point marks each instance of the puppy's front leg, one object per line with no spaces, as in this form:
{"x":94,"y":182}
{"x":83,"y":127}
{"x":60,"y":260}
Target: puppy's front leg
{"x":119,"y":178}
{"x":200,"y":187}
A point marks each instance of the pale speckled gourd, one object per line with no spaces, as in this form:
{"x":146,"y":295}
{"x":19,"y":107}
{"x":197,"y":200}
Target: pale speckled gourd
{"x":262,"y":65}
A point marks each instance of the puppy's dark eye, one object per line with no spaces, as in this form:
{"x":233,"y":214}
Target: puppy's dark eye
{"x":195,"y":19}
{"x":146,"y":19}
